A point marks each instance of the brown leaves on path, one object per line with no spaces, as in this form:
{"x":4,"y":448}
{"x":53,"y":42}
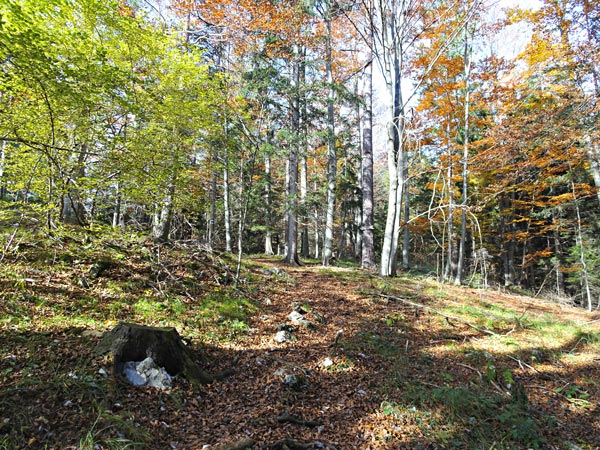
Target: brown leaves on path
{"x":376,"y":374}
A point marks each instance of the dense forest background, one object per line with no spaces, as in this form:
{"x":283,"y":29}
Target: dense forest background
{"x":402,"y":135}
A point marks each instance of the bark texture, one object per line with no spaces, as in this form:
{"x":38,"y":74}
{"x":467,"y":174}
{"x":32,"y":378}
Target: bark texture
{"x":132,"y":342}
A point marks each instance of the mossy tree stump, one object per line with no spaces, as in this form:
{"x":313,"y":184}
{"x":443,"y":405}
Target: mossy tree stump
{"x":132,"y":342}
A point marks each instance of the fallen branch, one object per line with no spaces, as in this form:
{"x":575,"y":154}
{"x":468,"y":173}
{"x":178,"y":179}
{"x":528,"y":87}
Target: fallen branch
{"x":287,"y":418}
{"x":466,"y":366}
{"x":438,"y":312}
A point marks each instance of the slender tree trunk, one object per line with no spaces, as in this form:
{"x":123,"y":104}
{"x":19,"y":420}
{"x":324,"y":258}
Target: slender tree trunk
{"x":450,"y":230}
{"x":116,"y":220}
{"x":331,"y":150}
{"x":594,"y":158}
{"x":304,"y":239}
{"x":73,"y":210}
{"x":316,"y":218}
{"x":508,"y":244}
{"x":268,"y":222}
{"x":291,"y":255}
{"x":368,"y":242}
{"x":406,"y":208}
{"x":305,"y":244}
{"x":465,"y":162}
{"x":226,"y":202}
{"x":163,"y":214}
{"x":395,"y":161}
{"x":580,"y":244}
{"x":560,"y":279}
{"x":2,"y":164}
{"x":212,"y":215}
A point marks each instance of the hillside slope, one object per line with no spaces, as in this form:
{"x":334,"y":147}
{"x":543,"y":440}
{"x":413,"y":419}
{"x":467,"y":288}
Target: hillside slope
{"x":372,"y":363}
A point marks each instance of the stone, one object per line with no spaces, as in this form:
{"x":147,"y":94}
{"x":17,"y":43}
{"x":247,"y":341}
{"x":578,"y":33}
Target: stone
{"x":298,"y":319}
{"x":318,"y":317}
{"x":327,"y":362}
{"x":283,"y":336}
{"x":294,"y":381}
{"x":274,"y":271}
{"x":147,"y":373}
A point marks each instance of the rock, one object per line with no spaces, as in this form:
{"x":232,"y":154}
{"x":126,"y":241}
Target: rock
{"x":280,"y":372}
{"x":132,"y":375}
{"x":274,"y":271}
{"x":327,"y":362}
{"x":283,"y":336}
{"x":285,"y":327}
{"x":298,"y":319}
{"x":294,"y":381}
{"x":295,"y":317}
{"x":147,"y":373}
{"x":318,"y":317}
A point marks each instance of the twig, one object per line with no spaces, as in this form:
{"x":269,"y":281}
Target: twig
{"x":472,"y":368}
{"x":522,"y":363}
{"x":446,"y":316}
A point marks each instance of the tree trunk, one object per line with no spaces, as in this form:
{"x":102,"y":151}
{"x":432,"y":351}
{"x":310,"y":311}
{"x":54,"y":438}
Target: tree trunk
{"x":395,"y":158}
{"x":73,"y":210}
{"x":368,"y":243}
{"x":450,"y":226}
{"x":291,"y":254}
{"x":331,"y":150}
{"x":163,"y":214}
{"x":594,"y":158}
{"x":226,"y":203}
{"x":406,"y":208}
{"x":212,"y":214}
{"x":2,"y":164}
{"x":268,"y":222}
{"x":304,"y":238}
{"x":582,"y":259}
{"x":305,"y":244}
{"x":118,"y":220}
{"x":465,"y":162}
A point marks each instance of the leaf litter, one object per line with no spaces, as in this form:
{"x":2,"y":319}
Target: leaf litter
{"x":397,"y":376}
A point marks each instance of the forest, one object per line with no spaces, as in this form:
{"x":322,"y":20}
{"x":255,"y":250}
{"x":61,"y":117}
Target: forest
{"x":256,"y":127}
{"x":418,"y":181}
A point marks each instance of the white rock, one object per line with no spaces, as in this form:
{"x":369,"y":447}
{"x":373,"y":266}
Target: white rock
{"x":283,"y":336}
{"x":132,"y":375}
{"x":327,"y":362}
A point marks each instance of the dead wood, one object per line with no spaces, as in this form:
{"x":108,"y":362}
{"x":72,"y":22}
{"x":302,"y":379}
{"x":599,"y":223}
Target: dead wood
{"x":438,"y":312}
{"x":132,"y":342}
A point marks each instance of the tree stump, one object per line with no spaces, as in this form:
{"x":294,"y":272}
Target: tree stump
{"x":131,"y":342}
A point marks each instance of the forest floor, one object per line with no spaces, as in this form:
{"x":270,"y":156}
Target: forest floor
{"x":387,"y":363}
